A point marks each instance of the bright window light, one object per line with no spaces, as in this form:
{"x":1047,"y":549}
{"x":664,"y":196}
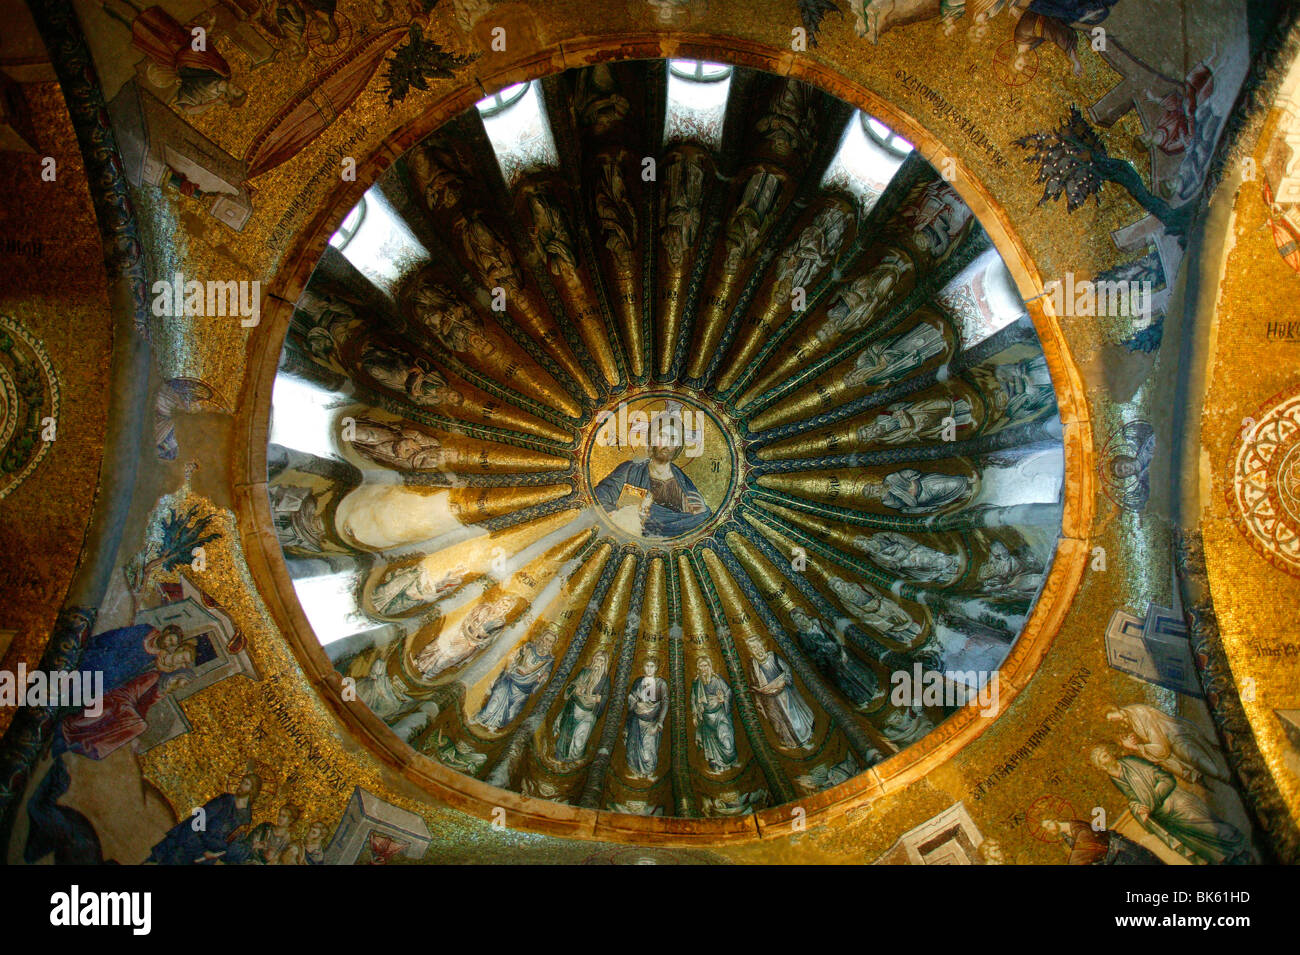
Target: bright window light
{"x":519,"y":132}
{"x":331,"y":607}
{"x":862,"y":165}
{"x":348,"y":227}
{"x":697,"y":104}
{"x":502,"y":100}
{"x":382,"y":248}
{"x":701,"y":71}
{"x":885,"y":137}
{"x":301,"y":418}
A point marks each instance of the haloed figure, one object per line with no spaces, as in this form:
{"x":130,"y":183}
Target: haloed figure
{"x":1088,"y":846}
{"x":778,"y":697}
{"x":647,"y":708}
{"x":225,"y":816}
{"x":528,"y":669}
{"x":1180,"y":819}
{"x":584,"y":702}
{"x":711,"y":706}
{"x":673,"y":506}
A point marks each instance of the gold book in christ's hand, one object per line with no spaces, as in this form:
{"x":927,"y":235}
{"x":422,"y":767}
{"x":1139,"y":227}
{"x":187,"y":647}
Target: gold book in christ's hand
{"x":632,"y":495}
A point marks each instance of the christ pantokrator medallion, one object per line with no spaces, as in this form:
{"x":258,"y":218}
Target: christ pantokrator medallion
{"x":659,"y":467}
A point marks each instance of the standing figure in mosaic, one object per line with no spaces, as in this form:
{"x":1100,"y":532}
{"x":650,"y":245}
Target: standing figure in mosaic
{"x":584,"y":701}
{"x":681,"y":206}
{"x":778,"y":697}
{"x":908,"y":557}
{"x":858,"y":303}
{"x":915,"y":492}
{"x":647,"y":708}
{"x":920,"y":420}
{"x":876,"y":611}
{"x":890,"y":359}
{"x":851,"y":676}
{"x":711,"y":707}
{"x":529,"y":667}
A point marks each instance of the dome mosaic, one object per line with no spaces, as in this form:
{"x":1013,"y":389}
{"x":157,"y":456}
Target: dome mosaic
{"x":640,"y":429}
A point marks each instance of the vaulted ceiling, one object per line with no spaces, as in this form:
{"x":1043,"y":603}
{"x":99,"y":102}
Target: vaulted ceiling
{"x":867,"y":470}
{"x":653,"y":431}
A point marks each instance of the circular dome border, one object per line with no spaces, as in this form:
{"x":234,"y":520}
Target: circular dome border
{"x":270,"y":573}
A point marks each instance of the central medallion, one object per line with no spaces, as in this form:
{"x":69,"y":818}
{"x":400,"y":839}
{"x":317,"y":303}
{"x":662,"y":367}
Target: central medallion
{"x":659,"y":466}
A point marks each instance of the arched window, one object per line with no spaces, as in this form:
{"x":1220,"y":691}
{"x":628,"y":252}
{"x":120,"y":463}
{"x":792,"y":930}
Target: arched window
{"x":699,"y":70}
{"x":502,"y":100}
{"x":351,"y":223}
{"x":884,"y":137}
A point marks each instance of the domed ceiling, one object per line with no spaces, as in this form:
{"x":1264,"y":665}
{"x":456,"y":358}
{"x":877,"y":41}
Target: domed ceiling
{"x":595,"y":474}
{"x":649,"y":436}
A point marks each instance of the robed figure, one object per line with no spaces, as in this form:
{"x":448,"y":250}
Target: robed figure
{"x":413,"y":377}
{"x":584,"y":702}
{"x":668,"y":512}
{"x":266,"y":843}
{"x":911,"y":558}
{"x":528,"y":669}
{"x":1169,"y":742}
{"x":853,"y":678}
{"x":614,"y":208}
{"x":141,"y":665}
{"x":920,"y":420}
{"x":711,"y":707}
{"x":811,"y":252}
{"x":1004,"y":571}
{"x":937,"y":218}
{"x":1089,"y":846}
{"x":890,"y":359}
{"x":201,"y":74}
{"x":876,"y":611}
{"x":1181,"y":819}
{"x":647,"y":708}
{"x":124,"y":716}
{"x":224,"y":819}
{"x":914,"y":492}
{"x":452,"y":648}
{"x":1026,"y":388}
{"x":680,"y":206}
{"x":673,"y":505}
{"x":777,"y":696}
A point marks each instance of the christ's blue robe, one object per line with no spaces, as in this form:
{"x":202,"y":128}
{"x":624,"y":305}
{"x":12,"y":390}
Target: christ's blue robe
{"x":663,"y":521}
